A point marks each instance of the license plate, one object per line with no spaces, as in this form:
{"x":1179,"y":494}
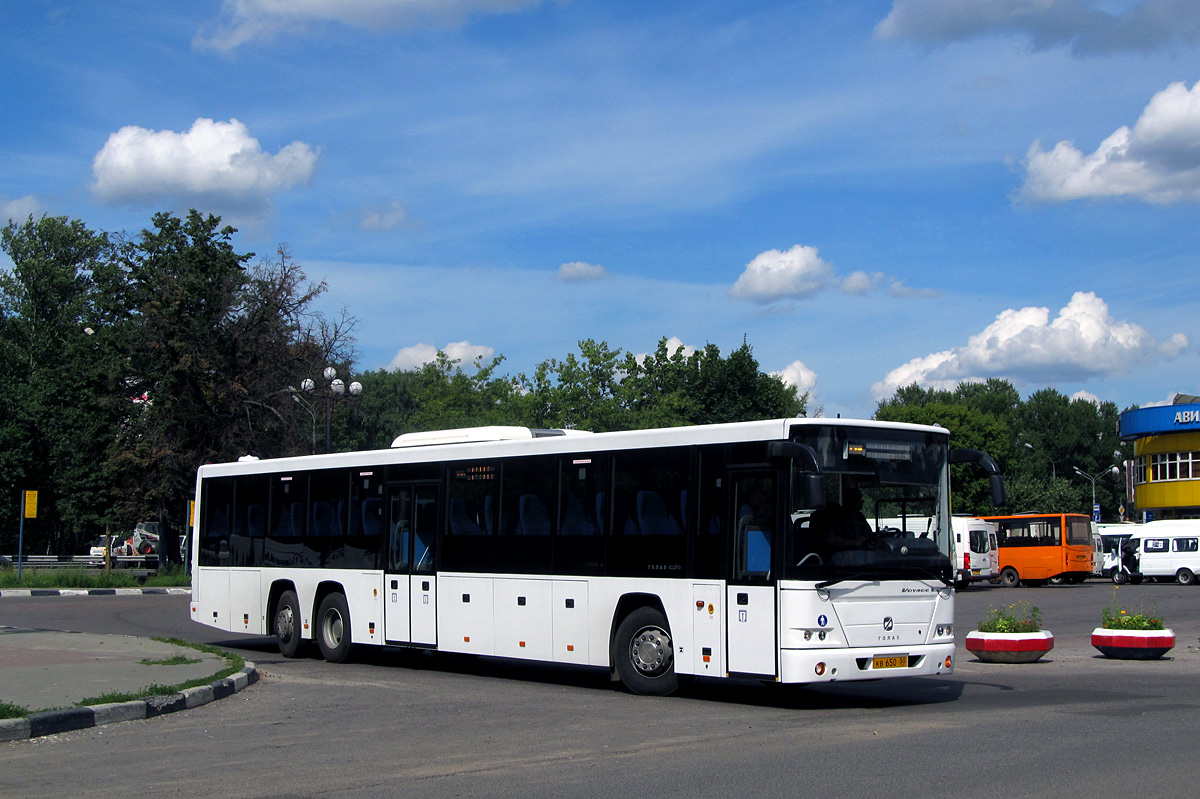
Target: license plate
{"x":976,"y":571}
{"x":898,"y":662}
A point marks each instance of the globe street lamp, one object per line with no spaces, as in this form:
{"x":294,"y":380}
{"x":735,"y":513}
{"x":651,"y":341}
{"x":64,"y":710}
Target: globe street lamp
{"x":331,"y":391}
{"x":1113,"y":470}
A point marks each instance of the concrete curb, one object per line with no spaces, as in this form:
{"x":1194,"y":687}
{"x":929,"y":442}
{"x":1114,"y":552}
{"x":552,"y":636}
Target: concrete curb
{"x":81,"y":718}
{"x":91,"y":591}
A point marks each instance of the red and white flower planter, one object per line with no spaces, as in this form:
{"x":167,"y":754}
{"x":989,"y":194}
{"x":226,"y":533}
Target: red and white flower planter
{"x":1133,"y":644}
{"x":1010,"y":647}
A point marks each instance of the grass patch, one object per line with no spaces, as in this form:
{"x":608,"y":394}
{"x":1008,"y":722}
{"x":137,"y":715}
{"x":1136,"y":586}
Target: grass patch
{"x":234,"y":664}
{"x":72,"y":577}
{"x":178,"y":660}
{"x":10,"y":711}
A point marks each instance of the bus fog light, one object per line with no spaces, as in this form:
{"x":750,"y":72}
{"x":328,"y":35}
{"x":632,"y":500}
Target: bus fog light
{"x":808,"y":635}
{"x":820,"y":669}
{"x":821,"y":635}
{"x":949,"y":661}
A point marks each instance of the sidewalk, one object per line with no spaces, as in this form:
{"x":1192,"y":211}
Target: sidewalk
{"x":49,"y":670}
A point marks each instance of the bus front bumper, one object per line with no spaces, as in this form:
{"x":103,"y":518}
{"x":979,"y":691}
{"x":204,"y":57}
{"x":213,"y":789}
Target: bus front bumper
{"x":836,"y":665}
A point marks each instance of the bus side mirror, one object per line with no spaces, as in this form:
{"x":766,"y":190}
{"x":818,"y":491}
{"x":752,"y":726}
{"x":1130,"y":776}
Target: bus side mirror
{"x":804,"y":458}
{"x":814,"y":491}
{"x":988,"y":464}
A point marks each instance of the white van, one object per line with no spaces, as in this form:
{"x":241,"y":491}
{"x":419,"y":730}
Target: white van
{"x":1113,"y":536}
{"x":1169,"y":548}
{"x":974,"y":550}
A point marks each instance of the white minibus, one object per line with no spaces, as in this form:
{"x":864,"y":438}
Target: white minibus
{"x":1169,"y":548}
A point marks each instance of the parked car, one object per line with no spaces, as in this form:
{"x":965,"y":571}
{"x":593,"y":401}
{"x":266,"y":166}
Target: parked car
{"x":5,"y":561}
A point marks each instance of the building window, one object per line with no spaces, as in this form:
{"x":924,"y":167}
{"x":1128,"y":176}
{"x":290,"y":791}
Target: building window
{"x":1167,"y":466}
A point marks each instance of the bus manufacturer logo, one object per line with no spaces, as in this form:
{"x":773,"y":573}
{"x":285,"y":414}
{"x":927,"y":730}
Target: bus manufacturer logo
{"x":887,"y":623}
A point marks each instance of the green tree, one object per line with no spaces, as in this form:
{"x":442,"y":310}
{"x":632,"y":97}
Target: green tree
{"x":970,"y":428}
{"x":1038,"y":442}
{"x":213,"y":348}
{"x":58,"y":361}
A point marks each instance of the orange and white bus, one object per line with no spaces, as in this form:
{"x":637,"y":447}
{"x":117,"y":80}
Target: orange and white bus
{"x":1037,"y":547}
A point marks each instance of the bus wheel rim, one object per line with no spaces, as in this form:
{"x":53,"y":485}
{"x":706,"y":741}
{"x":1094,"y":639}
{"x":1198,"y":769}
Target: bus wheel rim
{"x":650,"y":650}
{"x":285,"y":623}
{"x":332,"y":629}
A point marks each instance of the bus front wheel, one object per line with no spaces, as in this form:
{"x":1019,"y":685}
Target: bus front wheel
{"x":644,"y":655}
{"x":1009,"y":578}
{"x":286,"y":624}
{"x":333,"y":628}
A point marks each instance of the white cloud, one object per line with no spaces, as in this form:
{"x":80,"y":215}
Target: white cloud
{"x":245,"y":20}
{"x":1087,"y":396}
{"x":861,"y":282}
{"x":580,"y":272}
{"x":212,"y":164}
{"x":775,"y":275}
{"x":674,"y":344}
{"x":799,"y":377}
{"x":19,"y":210}
{"x":390,"y":217}
{"x":1158,"y":160}
{"x":1088,"y":27}
{"x":418,"y":355}
{"x":898,"y":289}
{"x":1025,"y":345}
{"x":801,"y":273}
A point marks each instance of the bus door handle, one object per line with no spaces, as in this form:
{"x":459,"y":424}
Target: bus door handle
{"x":743,"y":599}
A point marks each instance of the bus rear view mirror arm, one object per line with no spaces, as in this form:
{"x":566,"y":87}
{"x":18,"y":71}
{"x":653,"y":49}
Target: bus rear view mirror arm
{"x":988,"y":464}
{"x":806,"y":460}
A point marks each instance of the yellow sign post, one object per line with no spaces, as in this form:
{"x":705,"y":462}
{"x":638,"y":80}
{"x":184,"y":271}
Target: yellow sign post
{"x":26,"y":509}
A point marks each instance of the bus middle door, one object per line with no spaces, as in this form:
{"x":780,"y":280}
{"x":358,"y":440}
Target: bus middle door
{"x":750,"y":601}
{"x":411,"y":615}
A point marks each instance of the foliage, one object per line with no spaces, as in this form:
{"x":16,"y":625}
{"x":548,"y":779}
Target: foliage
{"x":1021,"y":617}
{"x":10,"y":711}
{"x":1038,"y":442}
{"x":603,"y":390}
{"x":1116,"y":617}
{"x":130,"y":362}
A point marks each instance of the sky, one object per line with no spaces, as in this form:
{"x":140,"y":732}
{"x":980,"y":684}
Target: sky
{"x":870,"y":194}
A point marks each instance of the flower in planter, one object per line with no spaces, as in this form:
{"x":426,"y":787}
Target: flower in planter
{"x":1131,"y":636}
{"x":1117,"y":618}
{"x":1021,"y":617}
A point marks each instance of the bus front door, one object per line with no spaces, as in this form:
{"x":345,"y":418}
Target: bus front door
{"x":750,"y":603}
{"x":411,"y":615}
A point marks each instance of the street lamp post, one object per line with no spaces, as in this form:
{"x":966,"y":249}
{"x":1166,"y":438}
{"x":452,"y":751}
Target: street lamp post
{"x":331,"y":392}
{"x":1053,"y":471}
{"x":1113,"y":470}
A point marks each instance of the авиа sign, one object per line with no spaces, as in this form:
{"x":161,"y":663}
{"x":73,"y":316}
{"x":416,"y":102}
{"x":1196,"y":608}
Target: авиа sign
{"x":1160,"y":419}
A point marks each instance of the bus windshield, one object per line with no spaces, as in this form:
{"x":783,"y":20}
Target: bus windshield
{"x":886,"y":508}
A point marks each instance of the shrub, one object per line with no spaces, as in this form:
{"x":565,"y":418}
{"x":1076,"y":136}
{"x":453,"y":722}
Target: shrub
{"x":1019,"y":618}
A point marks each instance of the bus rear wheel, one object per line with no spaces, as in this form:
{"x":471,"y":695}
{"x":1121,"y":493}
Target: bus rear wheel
{"x":644,"y":654}
{"x":1009,"y":577}
{"x":1185,"y":577}
{"x":286,"y":624}
{"x":333,"y":628}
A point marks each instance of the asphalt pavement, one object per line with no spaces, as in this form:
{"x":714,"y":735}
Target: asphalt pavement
{"x":63,"y":678}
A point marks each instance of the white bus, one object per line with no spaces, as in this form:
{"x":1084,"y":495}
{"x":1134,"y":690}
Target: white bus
{"x":723,"y":550}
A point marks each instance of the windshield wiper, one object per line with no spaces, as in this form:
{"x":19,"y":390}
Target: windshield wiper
{"x":880,"y":574}
{"x":855,"y":576}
